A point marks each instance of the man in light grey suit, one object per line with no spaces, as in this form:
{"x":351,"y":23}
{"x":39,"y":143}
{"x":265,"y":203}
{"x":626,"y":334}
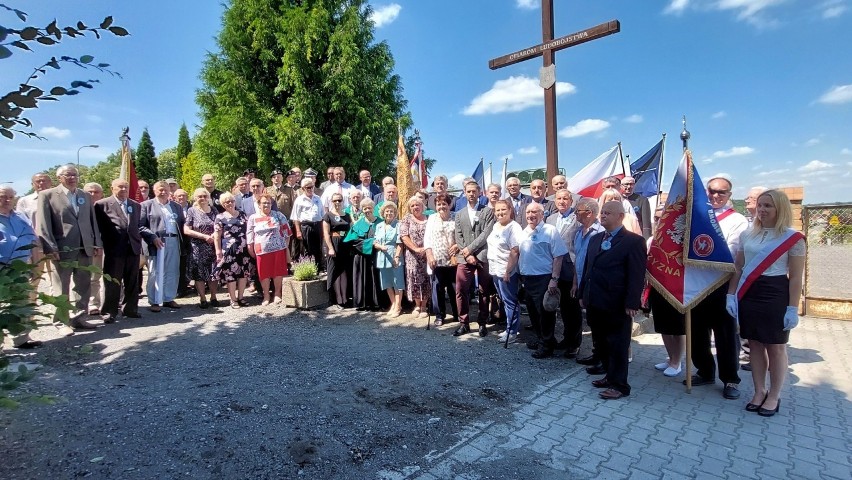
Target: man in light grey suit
{"x":66,"y":226}
{"x":161,"y":224}
{"x":565,"y":221}
{"x":118,"y":220}
{"x":473,"y":225}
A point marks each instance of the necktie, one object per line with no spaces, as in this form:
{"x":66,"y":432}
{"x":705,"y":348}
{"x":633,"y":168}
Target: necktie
{"x":124,"y":209}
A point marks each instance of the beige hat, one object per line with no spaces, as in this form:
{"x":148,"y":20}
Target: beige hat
{"x":551,"y":301}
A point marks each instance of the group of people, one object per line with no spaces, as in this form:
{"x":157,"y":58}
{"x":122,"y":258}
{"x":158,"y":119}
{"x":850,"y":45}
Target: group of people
{"x":545,"y":254}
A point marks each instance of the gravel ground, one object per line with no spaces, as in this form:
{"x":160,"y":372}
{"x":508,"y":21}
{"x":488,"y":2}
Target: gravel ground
{"x":259,"y":393}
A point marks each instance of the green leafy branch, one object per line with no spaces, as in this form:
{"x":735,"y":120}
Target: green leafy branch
{"x":51,"y":34}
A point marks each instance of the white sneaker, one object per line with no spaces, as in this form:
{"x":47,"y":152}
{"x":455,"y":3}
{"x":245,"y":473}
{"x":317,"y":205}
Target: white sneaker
{"x":662,"y":366}
{"x":502,"y":337}
{"x":672,"y":372}
{"x":513,"y":338}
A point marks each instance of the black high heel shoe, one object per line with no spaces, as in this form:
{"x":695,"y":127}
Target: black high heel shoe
{"x":768,"y":413}
{"x":751,"y":407}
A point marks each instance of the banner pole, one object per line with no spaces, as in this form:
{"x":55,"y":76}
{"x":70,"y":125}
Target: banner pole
{"x":689,"y":351}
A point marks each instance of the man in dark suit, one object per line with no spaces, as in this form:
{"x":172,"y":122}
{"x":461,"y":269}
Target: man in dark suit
{"x":118,"y":221}
{"x":473,"y":225}
{"x":538,"y":189}
{"x":641,"y":205}
{"x":161,"y":225}
{"x":564,"y":219}
{"x":208,"y":181}
{"x":439,"y":186}
{"x":513,"y":188}
{"x":367,"y":187}
{"x":612,"y":282}
{"x":68,"y":232}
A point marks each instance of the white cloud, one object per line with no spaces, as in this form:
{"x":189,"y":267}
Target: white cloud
{"x":815,"y":166}
{"x":732,"y":152}
{"x":751,"y":11}
{"x":513,"y":95}
{"x":676,"y":7}
{"x":832,"y":8}
{"x":94,"y":118}
{"x":385,"y":14}
{"x":528,"y":150}
{"x":635,"y":118}
{"x":527,"y":4}
{"x":584,"y":127}
{"x":812,"y":142}
{"x":53,"y":132}
{"x":457,"y":179}
{"x":837,"y":94}
{"x":718,"y":115}
{"x":772,"y":173}
{"x":846,"y":151}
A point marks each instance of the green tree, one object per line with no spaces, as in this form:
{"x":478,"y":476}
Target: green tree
{"x":167,"y":164}
{"x":191,"y":171}
{"x":27,"y":95}
{"x":146,"y":159}
{"x":184,"y":147}
{"x":298,"y":83}
{"x":105,"y":172}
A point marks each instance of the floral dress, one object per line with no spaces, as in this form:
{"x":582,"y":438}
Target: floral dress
{"x":417,"y":283}
{"x":202,"y":255}
{"x":236,"y":261}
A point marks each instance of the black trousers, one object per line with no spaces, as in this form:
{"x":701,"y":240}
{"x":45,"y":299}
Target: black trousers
{"x":708,"y":317}
{"x":612,"y":329}
{"x":123,"y":269}
{"x":183,"y":279}
{"x":572,"y":316}
{"x":312,"y":242}
{"x":444,"y":287}
{"x":543,"y":322}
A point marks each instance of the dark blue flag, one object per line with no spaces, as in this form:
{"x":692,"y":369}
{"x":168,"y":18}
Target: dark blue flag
{"x":646,"y":171}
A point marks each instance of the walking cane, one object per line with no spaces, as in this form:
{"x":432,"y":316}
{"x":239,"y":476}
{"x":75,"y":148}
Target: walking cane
{"x":509,"y":322}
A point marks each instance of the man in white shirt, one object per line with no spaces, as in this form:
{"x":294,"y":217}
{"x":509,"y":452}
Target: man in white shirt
{"x":95,"y":298}
{"x":338,"y":186}
{"x":367,"y":187}
{"x":307,"y":219}
{"x":27,"y":206}
{"x":710,"y":314}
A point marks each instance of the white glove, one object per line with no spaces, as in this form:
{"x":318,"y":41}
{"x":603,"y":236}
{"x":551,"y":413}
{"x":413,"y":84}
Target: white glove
{"x":731,"y":305}
{"x":791,"y":318}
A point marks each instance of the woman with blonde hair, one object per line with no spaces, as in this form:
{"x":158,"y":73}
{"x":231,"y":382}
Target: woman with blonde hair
{"x":234,"y":265}
{"x":439,"y":240}
{"x":412,"y":231}
{"x":631,"y":223}
{"x":199,"y":227}
{"x":764,"y":295}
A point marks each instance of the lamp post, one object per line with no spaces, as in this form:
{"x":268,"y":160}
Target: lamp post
{"x":78,"y":152}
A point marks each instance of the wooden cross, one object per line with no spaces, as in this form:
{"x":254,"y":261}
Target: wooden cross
{"x":546,"y":49}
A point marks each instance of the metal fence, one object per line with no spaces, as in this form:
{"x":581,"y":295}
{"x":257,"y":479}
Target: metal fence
{"x":828,"y":267}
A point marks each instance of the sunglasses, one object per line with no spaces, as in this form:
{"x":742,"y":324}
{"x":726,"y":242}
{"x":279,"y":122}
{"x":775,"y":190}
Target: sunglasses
{"x":717,"y":192}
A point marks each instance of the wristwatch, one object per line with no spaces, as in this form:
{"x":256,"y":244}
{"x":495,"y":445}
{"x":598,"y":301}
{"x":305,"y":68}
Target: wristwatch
{"x":555,"y":279}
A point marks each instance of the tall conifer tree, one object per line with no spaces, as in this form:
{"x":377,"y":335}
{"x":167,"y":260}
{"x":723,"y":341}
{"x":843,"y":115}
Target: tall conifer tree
{"x":146,"y":159}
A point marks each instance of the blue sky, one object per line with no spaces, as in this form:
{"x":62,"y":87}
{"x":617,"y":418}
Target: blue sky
{"x":765,"y":84}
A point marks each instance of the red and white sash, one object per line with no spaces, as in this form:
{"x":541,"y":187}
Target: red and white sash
{"x":727,"y":213}
{"x":771,"y":252}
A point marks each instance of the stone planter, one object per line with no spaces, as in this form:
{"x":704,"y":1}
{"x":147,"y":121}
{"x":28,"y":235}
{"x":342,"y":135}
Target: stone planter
{"x":304,"y":295}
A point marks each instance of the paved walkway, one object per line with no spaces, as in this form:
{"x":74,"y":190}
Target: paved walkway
{"x":565,"y":431}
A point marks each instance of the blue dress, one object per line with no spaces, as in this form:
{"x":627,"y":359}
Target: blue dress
{"x":387,"y":234}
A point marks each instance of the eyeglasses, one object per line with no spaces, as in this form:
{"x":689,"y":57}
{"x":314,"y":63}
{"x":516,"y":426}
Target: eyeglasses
{"x":627,"y":184}
{"x":338,"y":200}
{"x":584,"y":211}
{"x":227,"y":201}
{"x":308,"y":188}
{"x":717,"y":192}
{"x":69,"y":175}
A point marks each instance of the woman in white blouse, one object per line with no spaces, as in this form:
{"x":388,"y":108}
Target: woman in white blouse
{"x":503,"y":242}
{"x":439,"y":239}
{"x":764,"y":294}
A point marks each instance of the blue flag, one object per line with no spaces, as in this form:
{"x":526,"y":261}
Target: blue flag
{"x":479,"y":175}
{"x":646,"y":171}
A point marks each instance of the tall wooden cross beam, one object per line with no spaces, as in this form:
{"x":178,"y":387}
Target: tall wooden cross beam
{"x":546,"y":49}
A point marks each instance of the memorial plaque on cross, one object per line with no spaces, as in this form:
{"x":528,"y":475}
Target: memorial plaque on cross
{"x":546,"y":49}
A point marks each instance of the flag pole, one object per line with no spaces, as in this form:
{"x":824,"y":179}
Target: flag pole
{"x":688,"y":351}
{"x":621,"y":157}
{"x":660,"y":173}
{"x":490,"y":173}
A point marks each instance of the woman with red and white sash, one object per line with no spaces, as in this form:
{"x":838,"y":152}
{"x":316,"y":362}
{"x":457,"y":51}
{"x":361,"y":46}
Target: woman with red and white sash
{"x":765,"y":292}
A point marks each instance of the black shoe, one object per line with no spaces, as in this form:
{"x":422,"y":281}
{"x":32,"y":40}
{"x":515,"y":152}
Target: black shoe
{"x":596,"y":370}
{"x":483,"y":330}
{"x":532,"y":344}
{"x":750,"y":407}
{"x":243,"y":302}
{"x":463,"y":329}
{"x":108,"y":318}
{"x":171,"y":304}
{"x":590,"y":360}
{"x":731,"y":391}
{"x":132,"y":315}
{"x":571,"y":353}
{"x":204,"y":305}
{"x":698,"y":380}
{"x":768,"y":413}
{"x":214,"y":303}
{"x":543,"y":352}
{"x":746,"y":367}
{"x":29,"y":345}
